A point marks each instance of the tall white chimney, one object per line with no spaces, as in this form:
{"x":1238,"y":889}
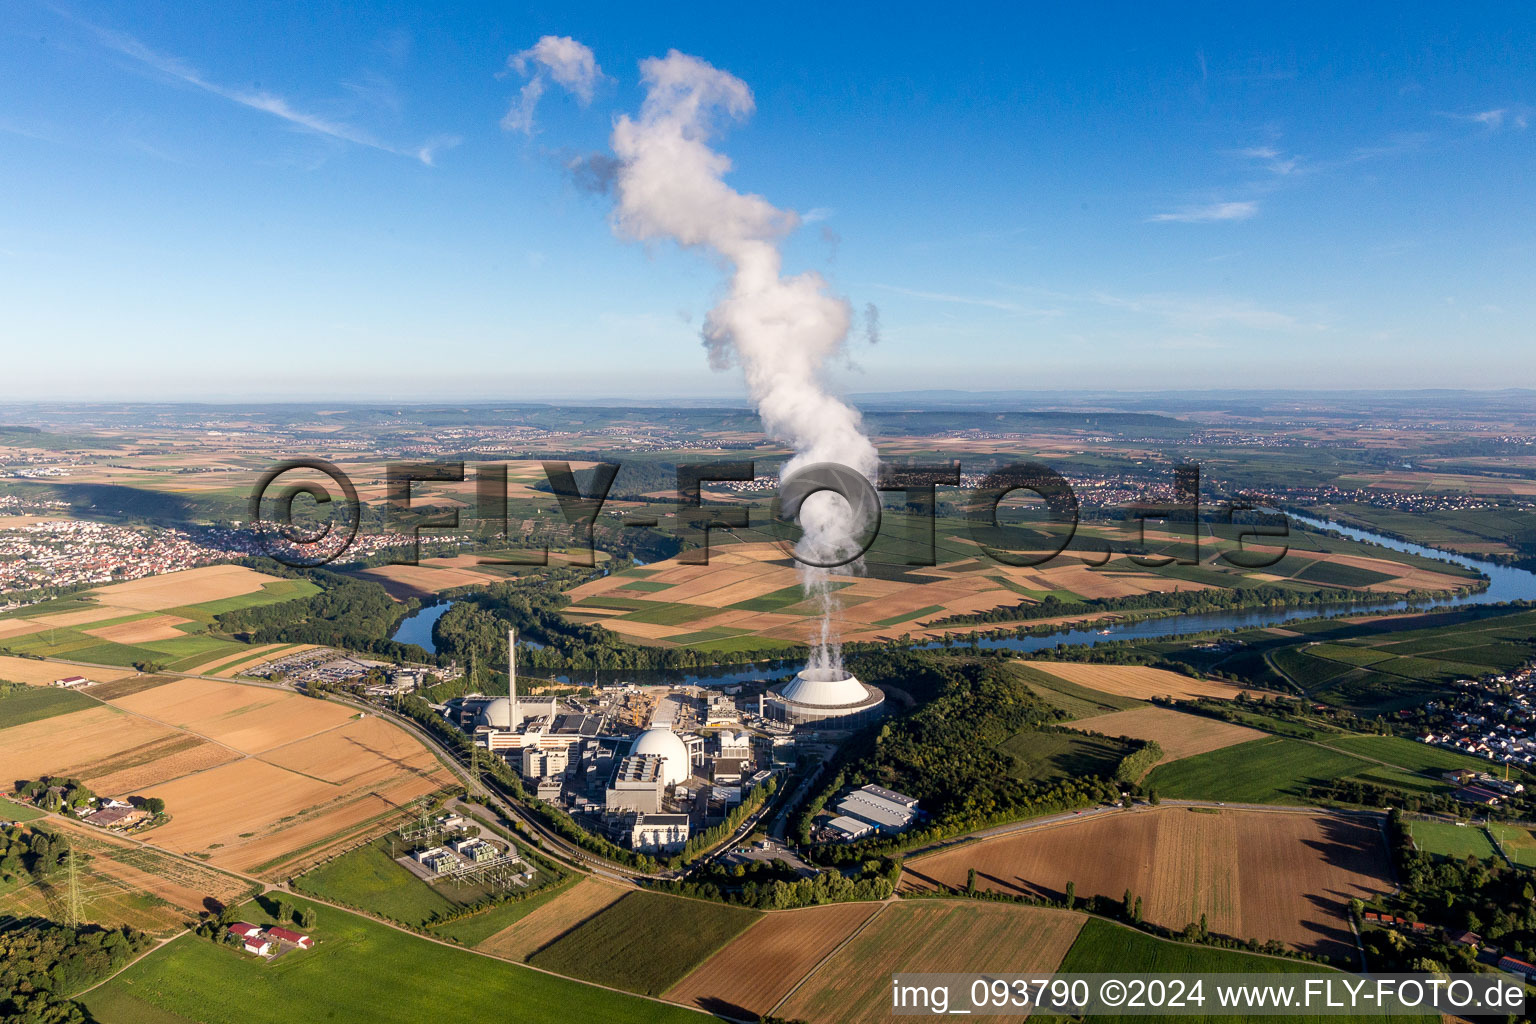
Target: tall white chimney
{"x":512,"y":718}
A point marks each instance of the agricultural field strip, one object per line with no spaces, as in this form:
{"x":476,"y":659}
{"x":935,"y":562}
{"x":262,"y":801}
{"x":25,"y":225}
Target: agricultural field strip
{"x":823,"y":961}
{"x":1125,"y":819}
{"x":241,"y":755}
{"x":696,"y":984}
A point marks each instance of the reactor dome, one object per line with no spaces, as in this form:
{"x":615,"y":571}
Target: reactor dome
{"x":666,"y":744}
{"x":825,"y":687}
{"x":495,"y":713}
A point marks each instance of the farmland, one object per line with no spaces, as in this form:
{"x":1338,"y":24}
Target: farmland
{"x":1135,"y":681}
{"x":1283,"y":770}
{"x":159,"y":619}
{"x":37,"y":703}
{"x":125,"y":883}
{"x":1045,"y":755}
{"x":1180,"y":735}
{"x":256,"y":779}
{"x":1071,"y":699}
{"x":107,"y":748}
{"x":369,"y":879}
{"x":1102,"y":947}
{"x":543,"y":925}
{"x":1255,"y":874}
{"x":747,"y":596}
{"x":758,"y":968}
{"x":645,"y":942}
{"x":399,"y":978}
{"x":929,"y":936}
{"x":1271,"y":770}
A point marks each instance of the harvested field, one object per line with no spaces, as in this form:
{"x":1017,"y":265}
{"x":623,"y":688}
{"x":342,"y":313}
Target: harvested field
{"x":176,"y":589}
{"x":139,"y":631}
{"x":407,"y":581}
{"x":1255,"y":874}
{"x":1179,"y":734}
{"x":250,"y":814}
{"x":89,"y":745}
{"x":588,"y":898}
{"x":325,"y":773}
{"x":1136,"y":681}
{"x":41,"y":673}
{"x":248,"y":718}
{"x":365,"y":750}
{"x":149,"y":765}
{"x":930,"y":936}
{"x":758,"y":968}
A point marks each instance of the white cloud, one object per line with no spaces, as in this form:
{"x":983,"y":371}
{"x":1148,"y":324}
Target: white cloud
{"x":1205,"y":214}
{"x":266,"y":102}
{"x":1272,"y":158}
{"x":572,"y":66}
{"x":1497,"y":118}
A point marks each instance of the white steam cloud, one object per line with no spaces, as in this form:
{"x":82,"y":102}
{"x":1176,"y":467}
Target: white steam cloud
{"x":779,"y":330}
{"x":562,"y":58}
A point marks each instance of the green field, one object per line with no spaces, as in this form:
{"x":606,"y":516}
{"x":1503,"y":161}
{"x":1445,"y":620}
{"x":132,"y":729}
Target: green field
{"x":359,"y":970}
{"x":1518,"y":843}
{"x":471,"y":931}
{"x":647,"y":586}
{"x":1406,"y":753}
{"x":1048,"y":756}
{"x":668,"y":613}
{"x":1276,"y":770}
{"x":38,"y":702}
{"x":1073,"y":700}
{"x":367,"y":878}
{"x":644,"y":943}
{"x":1448,"y":840}
{"x":1102,"y":947}
{"x":10,"y":811}
{"x":896,"y":620}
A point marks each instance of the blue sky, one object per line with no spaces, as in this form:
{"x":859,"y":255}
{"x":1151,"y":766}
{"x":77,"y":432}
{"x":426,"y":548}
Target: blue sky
{"x":267,"y":200}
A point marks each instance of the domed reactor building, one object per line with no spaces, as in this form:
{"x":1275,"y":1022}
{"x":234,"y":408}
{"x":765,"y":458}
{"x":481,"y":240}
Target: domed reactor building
{"x":829,"y":698}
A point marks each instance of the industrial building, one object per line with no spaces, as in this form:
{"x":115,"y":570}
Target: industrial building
{"x":544,"y":763}
{"x":637,"y":785}
{"x":670,"y":749}
{"x":846,"y":828}
{"x":827,"y":698}
{"x":885,"y":815}
{"x":666,"y":833}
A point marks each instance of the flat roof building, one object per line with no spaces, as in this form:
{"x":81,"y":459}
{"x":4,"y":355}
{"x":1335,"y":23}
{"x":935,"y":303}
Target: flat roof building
{"x":877,"y":811}
{"x":663,"y":832}
{"x":849,"y":828}
{"x":637,"y":784}
{"x":909,"y":802}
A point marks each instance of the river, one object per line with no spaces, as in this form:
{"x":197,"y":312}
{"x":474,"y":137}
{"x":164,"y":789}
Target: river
{"x":1506,"y":584}
{"x":416,"y":628}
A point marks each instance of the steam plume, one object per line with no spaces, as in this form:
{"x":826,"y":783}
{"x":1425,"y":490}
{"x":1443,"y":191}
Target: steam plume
{"x":780,"y":330}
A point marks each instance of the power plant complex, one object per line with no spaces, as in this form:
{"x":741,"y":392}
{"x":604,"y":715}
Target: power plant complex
{"x":653,"y":765}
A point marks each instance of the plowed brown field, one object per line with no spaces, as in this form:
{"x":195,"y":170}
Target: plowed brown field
{"x":1179,"y":734}
{"x":930,"y":936}
{"x":546,"y":924}
{"x":1255,"y":874}
{"x":758,"y":968}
